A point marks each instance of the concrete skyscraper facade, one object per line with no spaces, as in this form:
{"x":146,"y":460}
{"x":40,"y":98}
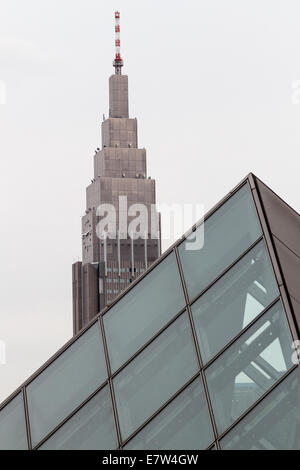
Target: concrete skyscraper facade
{"x":113,"y":261}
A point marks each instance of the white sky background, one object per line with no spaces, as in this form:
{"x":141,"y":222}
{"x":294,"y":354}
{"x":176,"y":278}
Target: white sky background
{"x":210,"y":82}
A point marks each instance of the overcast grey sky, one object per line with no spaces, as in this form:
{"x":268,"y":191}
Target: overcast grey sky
{"x":210,"y":82}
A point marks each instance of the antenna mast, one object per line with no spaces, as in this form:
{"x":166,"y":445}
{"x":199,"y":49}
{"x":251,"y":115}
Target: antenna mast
{"x":118,"y":62}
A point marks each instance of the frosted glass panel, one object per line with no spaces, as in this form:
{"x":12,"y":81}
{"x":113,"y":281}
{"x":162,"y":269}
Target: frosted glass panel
{"x":66,"y":383}
{"x":92,"y":428}
{"x":183,"y":424}
{"x":143,"y":311}
{"x":12,"y":425}
{"x":228,"y":232}
{"x":155,"y":375}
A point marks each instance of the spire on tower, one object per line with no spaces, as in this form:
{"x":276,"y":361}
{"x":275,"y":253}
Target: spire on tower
{"x":118,"y":62}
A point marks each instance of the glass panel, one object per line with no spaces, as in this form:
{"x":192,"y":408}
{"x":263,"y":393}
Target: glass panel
{"x":92,"y":428}
{"x":155,"y":375}
{"x":249,"y":367}
{"x":66,"y":383}
{"x":228,"y":232}
{"x":183,"y":424}
{"x":234,"y":301}
{"x":273,"y":424}
{"x":143,"y":311}
{"x":12,"y":425}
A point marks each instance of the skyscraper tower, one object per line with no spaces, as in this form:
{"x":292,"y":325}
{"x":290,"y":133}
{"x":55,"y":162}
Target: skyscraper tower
{"x":121,"y":192}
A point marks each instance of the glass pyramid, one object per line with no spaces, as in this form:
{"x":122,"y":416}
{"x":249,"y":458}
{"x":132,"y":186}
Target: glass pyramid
{"x":198,"y":353}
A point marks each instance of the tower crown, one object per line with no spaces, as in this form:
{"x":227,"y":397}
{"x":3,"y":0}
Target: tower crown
{"x":118,"y":62}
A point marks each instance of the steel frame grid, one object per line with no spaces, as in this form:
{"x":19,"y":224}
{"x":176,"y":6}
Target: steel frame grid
{"x":250,"y":181}
{"x":201,"y":373}
{"x":122,"y":294}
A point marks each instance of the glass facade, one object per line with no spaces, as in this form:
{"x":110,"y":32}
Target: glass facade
{"x":249,"y":367}
{"x":274,"y":423}
{"x":141,"y":388}
{"x":196,"y":355}
{"x":228,"y":232}
{"x":183,"y":424}
{"x":234,"y":301}
{"x":91,"y":428}
{"x":13,"y":426}
{"x":140,"y":314}
{"x":66,"y":383}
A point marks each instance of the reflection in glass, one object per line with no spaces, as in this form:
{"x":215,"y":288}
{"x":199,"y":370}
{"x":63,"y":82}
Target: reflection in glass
{"x":249,"y":367}
{"x":91,"y":428}
{"x":228,"y":232}
{"x":183,"y":424}
{"x":143,"y":311}
{"x":273,"y":424}
{"x":234,"y":301}
{"x":66,"y":383}
{"x":12,"y":425}
{"x":158,"y":372}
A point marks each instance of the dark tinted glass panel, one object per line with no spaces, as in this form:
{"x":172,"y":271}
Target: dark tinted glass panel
{"x":66,"y":383}
{"x":234,"y":301}
{"x":92,"y":428}
{"x":12,"y":425}
{"x":183,"y":424}
{"x":143,"y":311}
{"x":273,"y":424}
{"x":155,"y":375}
{"x":228,"y":232}
{"x":249,"y":367}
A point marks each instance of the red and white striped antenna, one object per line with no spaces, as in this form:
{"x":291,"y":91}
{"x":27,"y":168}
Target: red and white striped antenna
{"x":118,"y":62}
